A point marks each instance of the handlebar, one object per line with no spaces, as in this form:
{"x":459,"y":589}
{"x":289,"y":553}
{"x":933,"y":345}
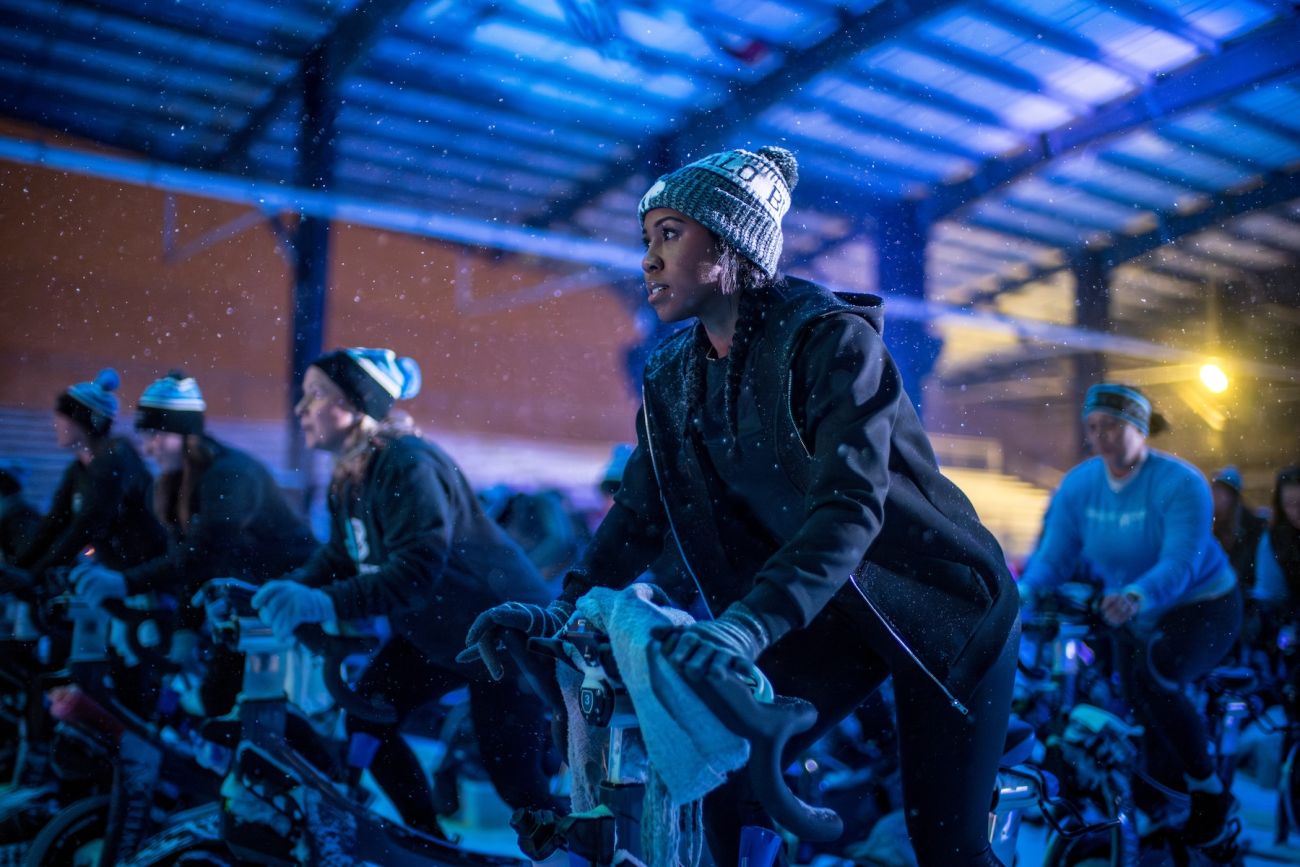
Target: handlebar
{"x":768,"y":727}
{"x":335,"y":649}
{"x":133,"y":618}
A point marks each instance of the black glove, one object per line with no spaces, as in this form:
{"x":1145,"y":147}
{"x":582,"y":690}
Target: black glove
{"x":533,"y":621}
{"x":730,"y":642}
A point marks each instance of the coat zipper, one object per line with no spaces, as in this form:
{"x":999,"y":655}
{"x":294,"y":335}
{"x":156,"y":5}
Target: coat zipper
{"x":952,"y":699}
{"x":672,"y":527}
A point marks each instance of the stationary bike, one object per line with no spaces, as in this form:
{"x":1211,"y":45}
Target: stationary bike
{"x":285,"y":799}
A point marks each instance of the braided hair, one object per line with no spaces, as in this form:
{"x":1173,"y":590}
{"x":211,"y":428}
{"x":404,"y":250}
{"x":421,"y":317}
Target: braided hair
{"x":737,"y":275}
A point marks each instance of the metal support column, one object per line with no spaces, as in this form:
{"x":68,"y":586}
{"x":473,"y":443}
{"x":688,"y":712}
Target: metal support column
{"x":311,"y":247}
{"x":901,"y":236}
{"x":1091,"y":311}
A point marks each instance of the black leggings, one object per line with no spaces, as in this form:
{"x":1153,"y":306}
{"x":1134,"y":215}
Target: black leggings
{"x":509,"y":724}
{"x":948,"y":762}
{"x":1155,"y":669}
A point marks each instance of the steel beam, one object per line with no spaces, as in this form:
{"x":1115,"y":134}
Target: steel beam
{"x":1161,"y":172}
{"x":892,"y":129}
{"x":1211,"y":148}
{"x":275,"y":197}
{"x":1159,"y":18}
{"x":1064,"y":41}
{"x":1270,"y":125}
{"x":316,"y":165}
{"x":701,"y":131}
{"x":1092,"y":306}
{"x":881,"y":79}
{"x":1277,"y":187}
{"x":1005,"y":224}
{"x":998,"y":71}
{"x":901,"y":237}
{"x":344,"y":45}
{"x":1267,"y":55}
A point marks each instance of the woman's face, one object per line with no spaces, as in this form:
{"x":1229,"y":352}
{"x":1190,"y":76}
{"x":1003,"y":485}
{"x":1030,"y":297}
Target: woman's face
{"x":326,"y":416}
{"x":681,"y":267}
{"x":1290,"y":497}
{"x":165,"y":447}
{"x":67,"y":433}
{"x":1117,"y":442}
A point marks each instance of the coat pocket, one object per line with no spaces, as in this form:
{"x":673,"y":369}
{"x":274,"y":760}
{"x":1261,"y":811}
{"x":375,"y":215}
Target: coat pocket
{"x":934,"y":606}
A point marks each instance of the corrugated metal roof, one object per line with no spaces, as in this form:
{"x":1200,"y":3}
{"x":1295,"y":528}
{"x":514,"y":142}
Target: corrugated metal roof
{"x":1024,"y":125}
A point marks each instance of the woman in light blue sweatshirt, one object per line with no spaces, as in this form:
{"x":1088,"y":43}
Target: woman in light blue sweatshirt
{"x":1140,"y":519}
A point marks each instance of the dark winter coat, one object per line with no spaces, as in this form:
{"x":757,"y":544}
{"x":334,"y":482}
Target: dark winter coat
{"x":104,"y":504}
{"x":411,"y":541}
{"x":241,"y":527}
{"x":19,"y":522}
{"x":858,"y":493}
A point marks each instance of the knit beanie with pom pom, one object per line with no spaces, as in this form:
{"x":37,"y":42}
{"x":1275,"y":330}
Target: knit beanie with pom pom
{"x":372,"y":379}
{"x":738,"y":195}
{"x":92,"y":404}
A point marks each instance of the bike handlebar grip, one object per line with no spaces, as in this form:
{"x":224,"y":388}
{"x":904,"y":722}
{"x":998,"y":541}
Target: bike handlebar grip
{"x":768,"y":727}
{"x":237,"y":593}
{"x":775,"y":725}
{"x":134,"y":618}
{"x":552,"y":647}
{"x":335,"y":649}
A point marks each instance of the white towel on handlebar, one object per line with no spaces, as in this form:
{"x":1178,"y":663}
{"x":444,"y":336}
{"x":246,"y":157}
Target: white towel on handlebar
{"x":690,"y":750}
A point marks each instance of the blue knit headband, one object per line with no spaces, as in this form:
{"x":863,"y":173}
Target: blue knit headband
{"x":1127,"y":404}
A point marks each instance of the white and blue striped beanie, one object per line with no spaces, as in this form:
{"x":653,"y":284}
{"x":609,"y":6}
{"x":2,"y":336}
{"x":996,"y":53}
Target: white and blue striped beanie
{"x":173,"y":404}
{"x":371,"y":379}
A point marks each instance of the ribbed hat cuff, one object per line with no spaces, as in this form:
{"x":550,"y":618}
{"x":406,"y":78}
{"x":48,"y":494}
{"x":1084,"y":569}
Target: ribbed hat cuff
{"x":170,"y":420}
{"x":94,"y":422}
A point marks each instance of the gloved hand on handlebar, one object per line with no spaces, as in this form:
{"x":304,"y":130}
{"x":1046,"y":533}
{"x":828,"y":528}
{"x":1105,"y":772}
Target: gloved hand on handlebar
{"x":286,"y":605}
{"x":533,"y":621}
{"x":731,"y":642}
{"x":95,"y":583}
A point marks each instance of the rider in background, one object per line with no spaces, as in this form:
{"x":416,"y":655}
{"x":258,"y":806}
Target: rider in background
{"x":18,"y":518}
{"x":226,"y":515}
{"x":1237,"y":526}
{"x":1277,"y":563}
{"x":409,"y":540}
{"x":1140,"y":518}
{"x":103,"y":500}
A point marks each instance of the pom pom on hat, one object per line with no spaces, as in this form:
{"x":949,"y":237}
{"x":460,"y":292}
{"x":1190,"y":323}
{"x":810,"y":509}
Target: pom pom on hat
{"x":411,"y":381}
{"x":108,"y":380}
{"x":739,"y":195}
